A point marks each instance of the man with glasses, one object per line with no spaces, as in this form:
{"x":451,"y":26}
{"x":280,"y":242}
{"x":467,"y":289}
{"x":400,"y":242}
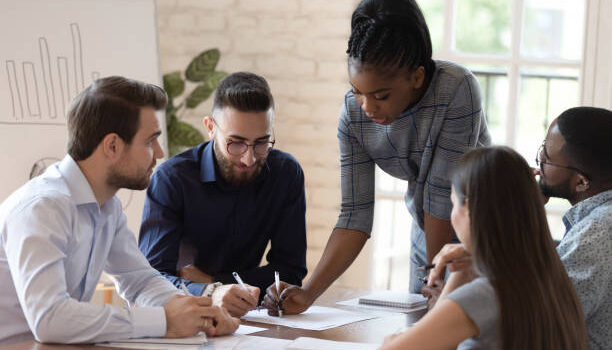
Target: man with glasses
{"x":575,"y":163}
{"x":213,"y":209}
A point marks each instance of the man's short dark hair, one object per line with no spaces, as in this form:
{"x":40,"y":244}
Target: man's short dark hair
{"x":245,"y":92}
{"x":587,"y":132}
{"x":109,"y":105}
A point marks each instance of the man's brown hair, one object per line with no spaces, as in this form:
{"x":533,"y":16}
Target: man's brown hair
{"x":109,"y":105}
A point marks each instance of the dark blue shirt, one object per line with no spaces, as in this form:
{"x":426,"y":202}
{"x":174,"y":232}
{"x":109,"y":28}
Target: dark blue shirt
{"x":192,"y":216}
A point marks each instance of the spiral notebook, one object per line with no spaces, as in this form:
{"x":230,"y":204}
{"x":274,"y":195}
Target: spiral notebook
{"x":389,"y":298}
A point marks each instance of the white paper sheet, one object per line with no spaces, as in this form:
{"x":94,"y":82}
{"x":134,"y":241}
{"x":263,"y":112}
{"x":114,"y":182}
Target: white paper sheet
{"x":245,"y":342}
{"x":190,"y":343}
{"x":159,"y":343}
{"x":316,"y":318}
{"x":306,"y":343}
{"x":244,"y":329}
{"x":149,"y":346}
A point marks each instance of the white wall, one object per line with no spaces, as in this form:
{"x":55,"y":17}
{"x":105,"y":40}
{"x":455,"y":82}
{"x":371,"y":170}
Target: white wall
{"x":597,"y":67}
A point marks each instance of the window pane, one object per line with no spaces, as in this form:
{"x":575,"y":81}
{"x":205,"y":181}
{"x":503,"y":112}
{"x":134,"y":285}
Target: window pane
{"x":483,"y":26}
{"x":433,"y":10}
{"x":384,"y":181}
{"x":555,"y":209}
{"x":543,"y":96}
{"x":391,"y":233}
{"x":553,"y":29}
{"x":493,"y":82}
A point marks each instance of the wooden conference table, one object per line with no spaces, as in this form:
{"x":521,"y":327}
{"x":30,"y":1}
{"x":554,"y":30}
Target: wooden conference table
{"x":368,"y":331}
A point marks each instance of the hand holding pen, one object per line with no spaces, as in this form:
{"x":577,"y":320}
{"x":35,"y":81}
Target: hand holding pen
{"x":454,"y":256}
{"x":278,"y":293}
{"x":291,"y":300}
{"x":236,"y":299}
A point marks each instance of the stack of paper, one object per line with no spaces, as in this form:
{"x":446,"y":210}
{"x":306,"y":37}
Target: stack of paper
{"x":394,"y":299}
{"x":159,"y":343}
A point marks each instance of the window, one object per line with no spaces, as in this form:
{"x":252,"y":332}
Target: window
{"x":527,"y":56}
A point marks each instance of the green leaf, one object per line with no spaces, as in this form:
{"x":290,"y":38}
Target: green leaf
{"x":202,"y":64}
{"x":214,"y":78}
{"x":183,"y":134}
{"x":174,"y":84}
{"x":204,"y":90}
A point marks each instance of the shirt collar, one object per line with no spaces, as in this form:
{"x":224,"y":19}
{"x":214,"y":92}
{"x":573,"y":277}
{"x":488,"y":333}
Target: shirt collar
{"x":79,"y":187}
{"x":583,"y":208}
{"x":208,"y":165}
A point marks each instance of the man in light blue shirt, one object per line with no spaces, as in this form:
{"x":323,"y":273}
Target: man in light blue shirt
{"x":59,"y":232}
{"x":576,"y":164}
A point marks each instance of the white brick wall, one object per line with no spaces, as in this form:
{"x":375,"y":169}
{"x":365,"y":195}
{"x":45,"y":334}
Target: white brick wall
{"x":299,"y":47}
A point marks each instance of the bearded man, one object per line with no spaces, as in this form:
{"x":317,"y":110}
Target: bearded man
{"x":575,"y":163}
{"x":63,"y":228}
{"x":213,"y":209}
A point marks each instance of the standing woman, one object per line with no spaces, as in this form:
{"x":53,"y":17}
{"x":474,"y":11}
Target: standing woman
{"x":411,"y":116}
{"x":508,"y":288}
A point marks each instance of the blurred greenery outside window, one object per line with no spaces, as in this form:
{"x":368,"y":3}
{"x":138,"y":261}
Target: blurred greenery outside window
{"x":527,"y":57}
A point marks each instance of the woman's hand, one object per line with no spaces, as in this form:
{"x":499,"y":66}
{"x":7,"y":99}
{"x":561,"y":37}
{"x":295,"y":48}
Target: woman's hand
{"x":454,"y":256}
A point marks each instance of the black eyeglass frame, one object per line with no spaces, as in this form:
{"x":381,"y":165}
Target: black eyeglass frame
{"x":541,"y":158}
{"x":245,"y":145}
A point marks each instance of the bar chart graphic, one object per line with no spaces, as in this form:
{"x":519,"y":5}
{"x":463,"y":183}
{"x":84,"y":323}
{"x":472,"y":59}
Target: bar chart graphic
{"x":52,"y":50}
{"x":40,"y":91}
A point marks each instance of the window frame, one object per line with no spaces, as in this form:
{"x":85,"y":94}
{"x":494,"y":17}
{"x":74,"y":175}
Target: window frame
{"x":514,"y":62}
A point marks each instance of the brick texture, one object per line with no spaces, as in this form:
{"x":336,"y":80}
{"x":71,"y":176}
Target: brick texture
{"x":299,"y":47}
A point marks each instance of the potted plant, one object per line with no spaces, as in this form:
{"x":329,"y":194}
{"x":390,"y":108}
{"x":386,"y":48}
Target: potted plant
{"x":201,"y":71}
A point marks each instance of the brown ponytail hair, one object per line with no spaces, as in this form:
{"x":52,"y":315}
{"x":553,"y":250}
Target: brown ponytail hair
{"x":511,"y":245}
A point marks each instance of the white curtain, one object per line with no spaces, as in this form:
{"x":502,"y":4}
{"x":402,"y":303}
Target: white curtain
{"x":597,"y":63}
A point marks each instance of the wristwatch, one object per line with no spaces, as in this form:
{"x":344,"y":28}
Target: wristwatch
{"x":210,"y":288}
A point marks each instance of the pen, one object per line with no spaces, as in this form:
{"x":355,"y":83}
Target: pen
{"x":426,"y":267}
{"x":239,"y":280}
{"x":431,"y":266}
{"x":184,"y":288}
{"x":277,"y":282}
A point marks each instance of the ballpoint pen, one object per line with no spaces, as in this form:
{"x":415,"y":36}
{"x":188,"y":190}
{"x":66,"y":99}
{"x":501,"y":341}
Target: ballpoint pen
{"x":426,"y":267}
{"x":241,"y":283}
{"x":239,"y":280}
{"x":277,"y":282}
{"x":184,"y":289}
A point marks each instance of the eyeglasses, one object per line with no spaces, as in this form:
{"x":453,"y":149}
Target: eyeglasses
{"x":238,"y":148}
{"x":541,"y":159}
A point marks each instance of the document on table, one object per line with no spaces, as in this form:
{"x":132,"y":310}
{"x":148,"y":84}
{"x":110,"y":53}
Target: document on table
{"x":244,"y":329}
{"x":316,"y":318}
{"x":306,"y":343}
{"x":159,"y":343}
{"x":245,"y":342}
{"x":188,"y":343}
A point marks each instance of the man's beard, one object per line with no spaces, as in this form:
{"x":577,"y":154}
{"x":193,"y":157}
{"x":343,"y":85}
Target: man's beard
{"x":118,"y":179}
{"x":230,"y":175}
{"x":561,"y":190}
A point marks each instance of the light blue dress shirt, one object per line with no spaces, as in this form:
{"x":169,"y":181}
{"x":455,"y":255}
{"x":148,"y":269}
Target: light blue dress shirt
{"x":586,"y":252}
{"x":55,"y":241}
